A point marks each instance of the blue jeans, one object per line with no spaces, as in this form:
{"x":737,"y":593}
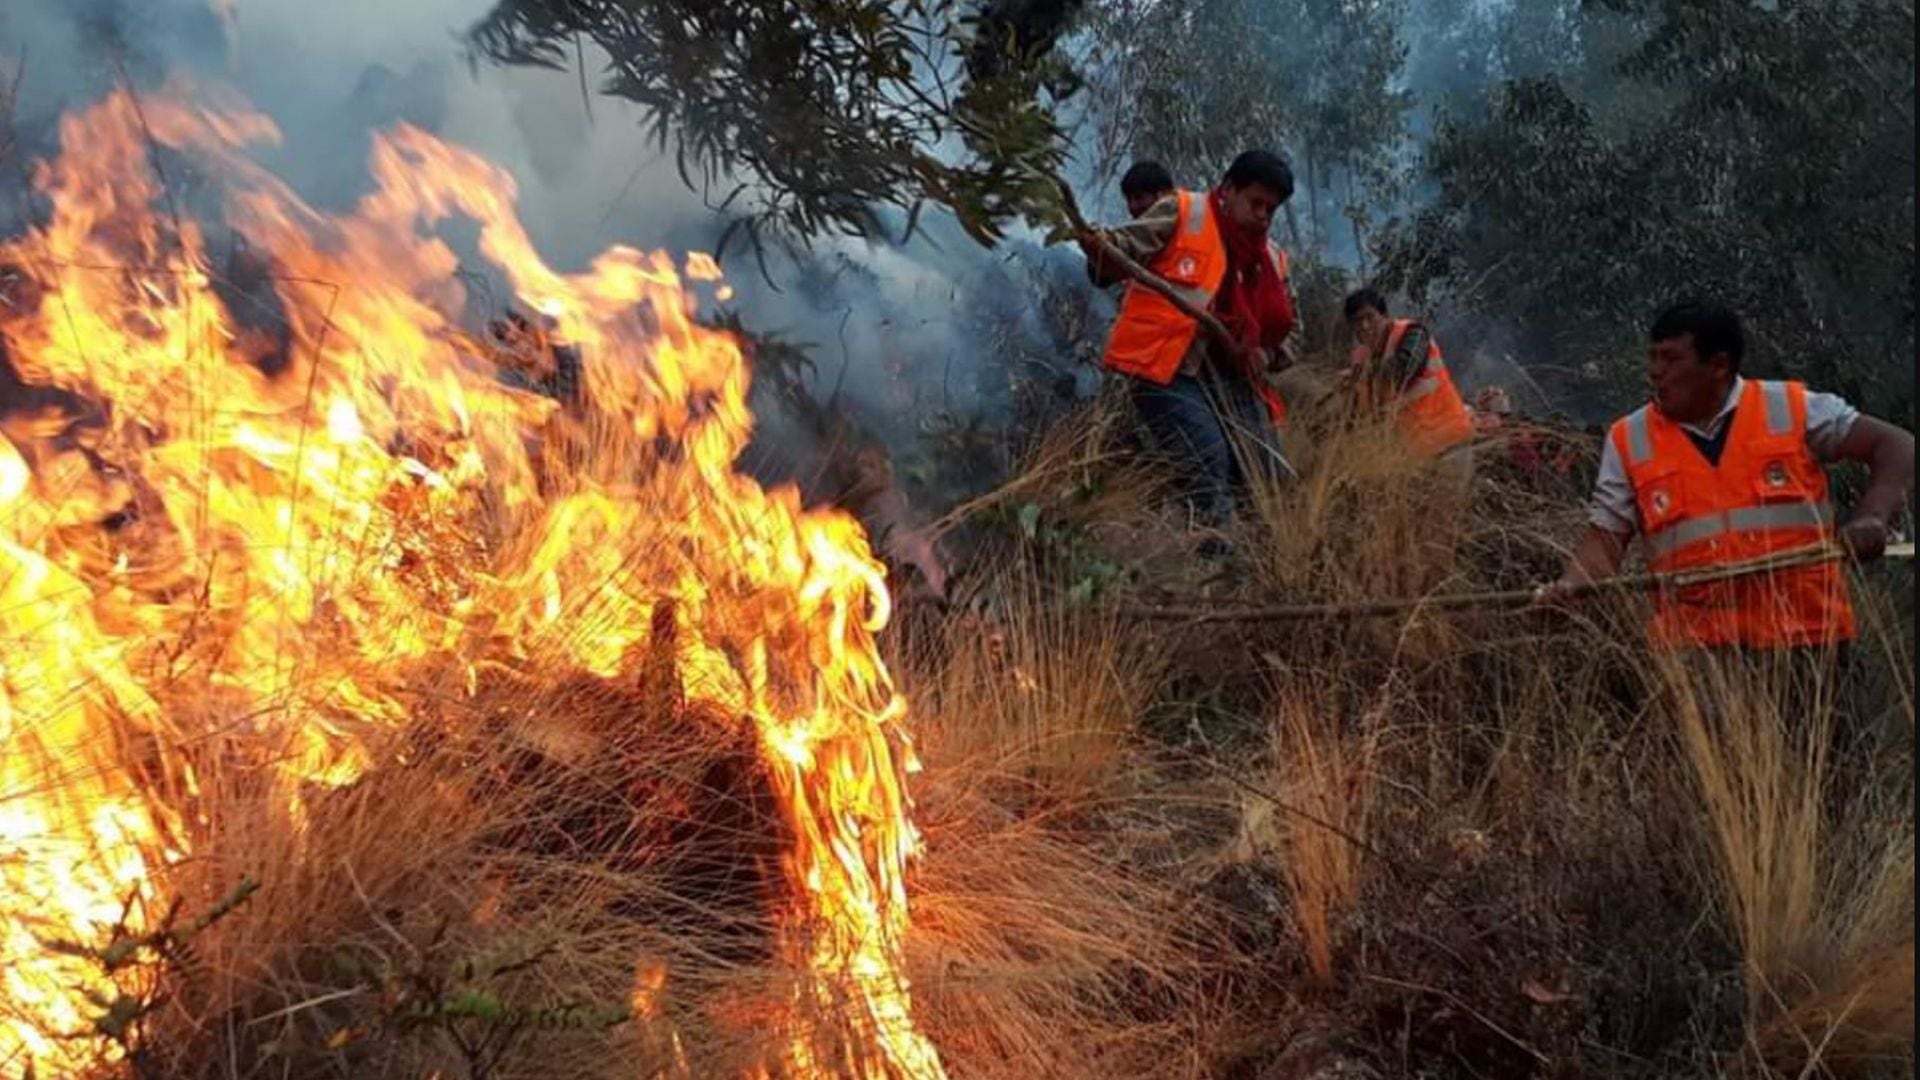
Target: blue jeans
{"x":1195,"y":422}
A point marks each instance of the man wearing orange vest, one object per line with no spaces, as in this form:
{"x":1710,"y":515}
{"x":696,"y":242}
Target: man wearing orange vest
{"x":1195,"y":399}
{"x":1397,"y":367}
{"x":1719,"y":470}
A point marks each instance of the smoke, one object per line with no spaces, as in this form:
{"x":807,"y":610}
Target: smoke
{"x":893,"y":328}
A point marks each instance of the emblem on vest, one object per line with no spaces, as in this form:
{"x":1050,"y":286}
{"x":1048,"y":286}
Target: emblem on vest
{"x":1662,"y":502}
{"x":1776,"y":474}
{"x":1187,"y":266}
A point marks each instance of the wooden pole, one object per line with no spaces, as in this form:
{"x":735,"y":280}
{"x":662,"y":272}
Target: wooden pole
{"x":1144,"y":277}
{"x":1492,"y":601}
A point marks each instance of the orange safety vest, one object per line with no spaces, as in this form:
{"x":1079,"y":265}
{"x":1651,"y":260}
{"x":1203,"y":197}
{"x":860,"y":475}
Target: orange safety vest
{"x":1768,"y":495}
{"x":1432,"y":414}
{"x":1151,"y":336}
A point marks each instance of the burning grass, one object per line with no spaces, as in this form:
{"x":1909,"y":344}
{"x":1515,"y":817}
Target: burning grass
{"x":367,"y":716}
{"x":251,"y":567}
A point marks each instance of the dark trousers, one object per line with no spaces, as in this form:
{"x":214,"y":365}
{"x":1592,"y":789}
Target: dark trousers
{"x":1215,"y":432}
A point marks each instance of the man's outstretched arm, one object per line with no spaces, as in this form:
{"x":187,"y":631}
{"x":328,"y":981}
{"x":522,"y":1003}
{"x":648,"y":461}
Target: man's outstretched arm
{"x":1597,"y":557}
{"x":1887,"y":452}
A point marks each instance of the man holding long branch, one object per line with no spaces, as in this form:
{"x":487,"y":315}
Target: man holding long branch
{"x":1197,"y":382}
{"x":1718,"y":470}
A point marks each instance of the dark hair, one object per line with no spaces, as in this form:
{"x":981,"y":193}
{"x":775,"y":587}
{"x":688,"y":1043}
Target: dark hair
{"x":1262,"y":167}
{"x":1361,"y":299}
{"x":1146,"y":178}
{"x":1715,"y":329}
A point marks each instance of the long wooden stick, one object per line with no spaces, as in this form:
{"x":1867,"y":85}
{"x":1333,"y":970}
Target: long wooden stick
{"x":1492,"y":601}
{"x":1144,"y":277}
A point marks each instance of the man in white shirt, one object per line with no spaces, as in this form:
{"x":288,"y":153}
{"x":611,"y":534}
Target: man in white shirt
{"x":1717,"y":470}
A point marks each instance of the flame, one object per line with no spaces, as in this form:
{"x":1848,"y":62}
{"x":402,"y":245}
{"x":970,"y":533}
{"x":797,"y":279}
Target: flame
{"x":290,"y":524}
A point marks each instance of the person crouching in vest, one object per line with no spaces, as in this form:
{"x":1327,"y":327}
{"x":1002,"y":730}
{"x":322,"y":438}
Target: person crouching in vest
{"x":1720,"y":470}
{"x":1396,"y":367}
{"x":1206,"y":407}
{"x":1397,"y":375}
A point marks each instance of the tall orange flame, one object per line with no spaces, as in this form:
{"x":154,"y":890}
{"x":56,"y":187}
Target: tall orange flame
{"x":284,"y":526}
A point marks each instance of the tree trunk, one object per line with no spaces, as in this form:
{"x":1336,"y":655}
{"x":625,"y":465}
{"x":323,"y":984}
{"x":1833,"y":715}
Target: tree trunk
{"x":1313,"y":196}
{"x":1353,"y":219}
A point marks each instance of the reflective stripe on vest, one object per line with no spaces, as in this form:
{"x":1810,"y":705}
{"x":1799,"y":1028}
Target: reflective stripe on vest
{"x":1779,"y":408}
{"x":1639,"y":437}
{"x":1196,"y":217}
{"x":1419,"y":388}
{"x":1745,"y":519}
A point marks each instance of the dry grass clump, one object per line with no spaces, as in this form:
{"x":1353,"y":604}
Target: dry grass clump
{"x":1367,"y":520}
{"x":1809,"y":850}
{"x":1045,"y":695}
{"x":1525,"y":845}
{"x":1056,"y":930}
{"x":1312,"y":817}
{"x":1308,"y":808}
{"x":1089,"y":483}
{"x":485,"y":900}
{"x":1046,"y":951}
{"x":1357,"y":523}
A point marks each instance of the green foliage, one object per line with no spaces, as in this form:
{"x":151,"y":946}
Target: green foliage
{"x":1759,"y":154}
{"x":118,"y":1017}
{"x":1065,"y":547}
{"x":469,"y":1000}
{"x":821,"y":114}
{"x":1320,"y":287}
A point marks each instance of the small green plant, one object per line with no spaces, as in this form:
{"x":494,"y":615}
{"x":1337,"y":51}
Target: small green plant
{"x":118,"y":1018}
{"x":466,"y":998}
{"x":1069,"y":548}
